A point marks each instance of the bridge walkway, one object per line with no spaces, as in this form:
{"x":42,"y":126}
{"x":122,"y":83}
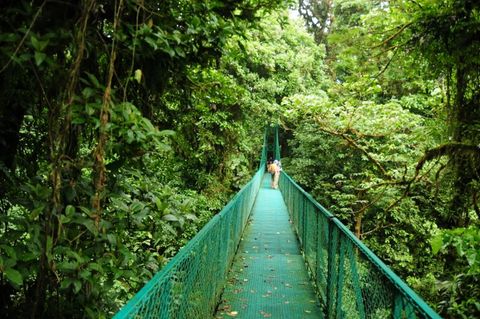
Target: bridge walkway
{"x":268,"y":278}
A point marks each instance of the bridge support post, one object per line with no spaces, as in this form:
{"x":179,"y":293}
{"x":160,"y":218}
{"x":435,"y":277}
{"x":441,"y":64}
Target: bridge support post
{"x":332,"y":268}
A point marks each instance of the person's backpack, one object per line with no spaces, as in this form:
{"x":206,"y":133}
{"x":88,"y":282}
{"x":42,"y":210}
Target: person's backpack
{"x":272,"y":168}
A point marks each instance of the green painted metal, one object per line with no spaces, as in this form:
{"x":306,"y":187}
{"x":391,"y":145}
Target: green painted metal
{"x":273,"y":143}
{"x":190,"y":285}
{"x":352,"y":281}
{"x":277,"y":144}
{"x":268,"y":278}
{"x":349,"y":279}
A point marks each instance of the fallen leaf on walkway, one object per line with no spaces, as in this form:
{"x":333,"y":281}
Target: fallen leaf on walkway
{"x":225,"y":308}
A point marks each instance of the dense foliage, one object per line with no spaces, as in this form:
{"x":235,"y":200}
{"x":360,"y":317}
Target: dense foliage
{"x":392,"y":146}
{"x":120,"y":136}
{"x":126,"y":125}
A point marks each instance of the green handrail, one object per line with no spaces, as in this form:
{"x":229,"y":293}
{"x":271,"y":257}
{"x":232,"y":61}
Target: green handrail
{"x":190,"y":285}
{"x":351,"y":281}
{"x":277,"y":144}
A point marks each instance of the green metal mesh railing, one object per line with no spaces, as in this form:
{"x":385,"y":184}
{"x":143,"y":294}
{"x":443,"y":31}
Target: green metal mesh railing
{"x":277,"y":144}
{"x":350,"y":279}
{"x":189,"y":286}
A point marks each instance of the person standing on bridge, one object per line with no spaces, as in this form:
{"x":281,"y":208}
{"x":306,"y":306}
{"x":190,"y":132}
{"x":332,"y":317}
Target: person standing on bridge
{"x":276,"y":168}
{"x":271,"y":170}
{"x":269,"y":163}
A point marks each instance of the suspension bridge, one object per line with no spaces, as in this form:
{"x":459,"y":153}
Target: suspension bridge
{"x":275,"y":254}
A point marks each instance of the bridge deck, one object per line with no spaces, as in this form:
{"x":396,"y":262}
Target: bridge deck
{"x":268,"y":278}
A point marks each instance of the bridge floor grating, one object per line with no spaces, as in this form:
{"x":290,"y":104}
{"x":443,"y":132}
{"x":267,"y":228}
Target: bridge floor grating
{"x":268,"y":278}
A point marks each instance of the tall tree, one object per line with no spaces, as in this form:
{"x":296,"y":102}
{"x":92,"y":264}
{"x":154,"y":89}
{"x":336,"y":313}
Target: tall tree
{"x":447,"y":35}
{"x":88,"y":90}
{"x":318,"y":15}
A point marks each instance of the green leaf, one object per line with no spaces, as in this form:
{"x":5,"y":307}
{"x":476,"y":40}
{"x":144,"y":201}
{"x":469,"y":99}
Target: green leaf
{"x":191,"y":217}
{"x":112,"y":239}
{"x":85,"y":274}
{"x":138,"y":75}
{"x":88,"y":92}
{"x":69,"y":210}
{"x":77,"y":284}
{"x":130,"y":136}
{"x":160,"y":205}
{"x":28,"y":256}
{"x":180,"y":52}
{"x":14,"y":276}
{"x":471,"y":258}
{"x":95,"y":266}
{"x":436,"y":243}
{"x":9,"y":37}
{"x":136,"y":206}
{"x":90,"y":226}
{"x":167,"y":133}
{"x":170,"y":218}
{"x":169,"y":50}
{"x":65,"y":219}
{"x":37,"y":44}
{"x":9,"y":250}
{"x":39,"y":57}
{"x":152,"y":42}
{"x":69,"y":266}
{"x":93,"y":79}
{"x":9,"y":262}
{"x":66,"y":283}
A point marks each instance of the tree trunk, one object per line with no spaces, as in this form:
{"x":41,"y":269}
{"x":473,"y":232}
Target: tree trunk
{"x":462,"y":167}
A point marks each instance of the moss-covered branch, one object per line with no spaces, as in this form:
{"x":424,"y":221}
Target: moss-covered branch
{"x":450,"y":149}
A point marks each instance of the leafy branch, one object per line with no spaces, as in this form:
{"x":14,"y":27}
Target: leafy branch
{"x":394,"y":35}
{"x":353,"y":143}
{"x":27,"y":33}
{"x":451,"y":149}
